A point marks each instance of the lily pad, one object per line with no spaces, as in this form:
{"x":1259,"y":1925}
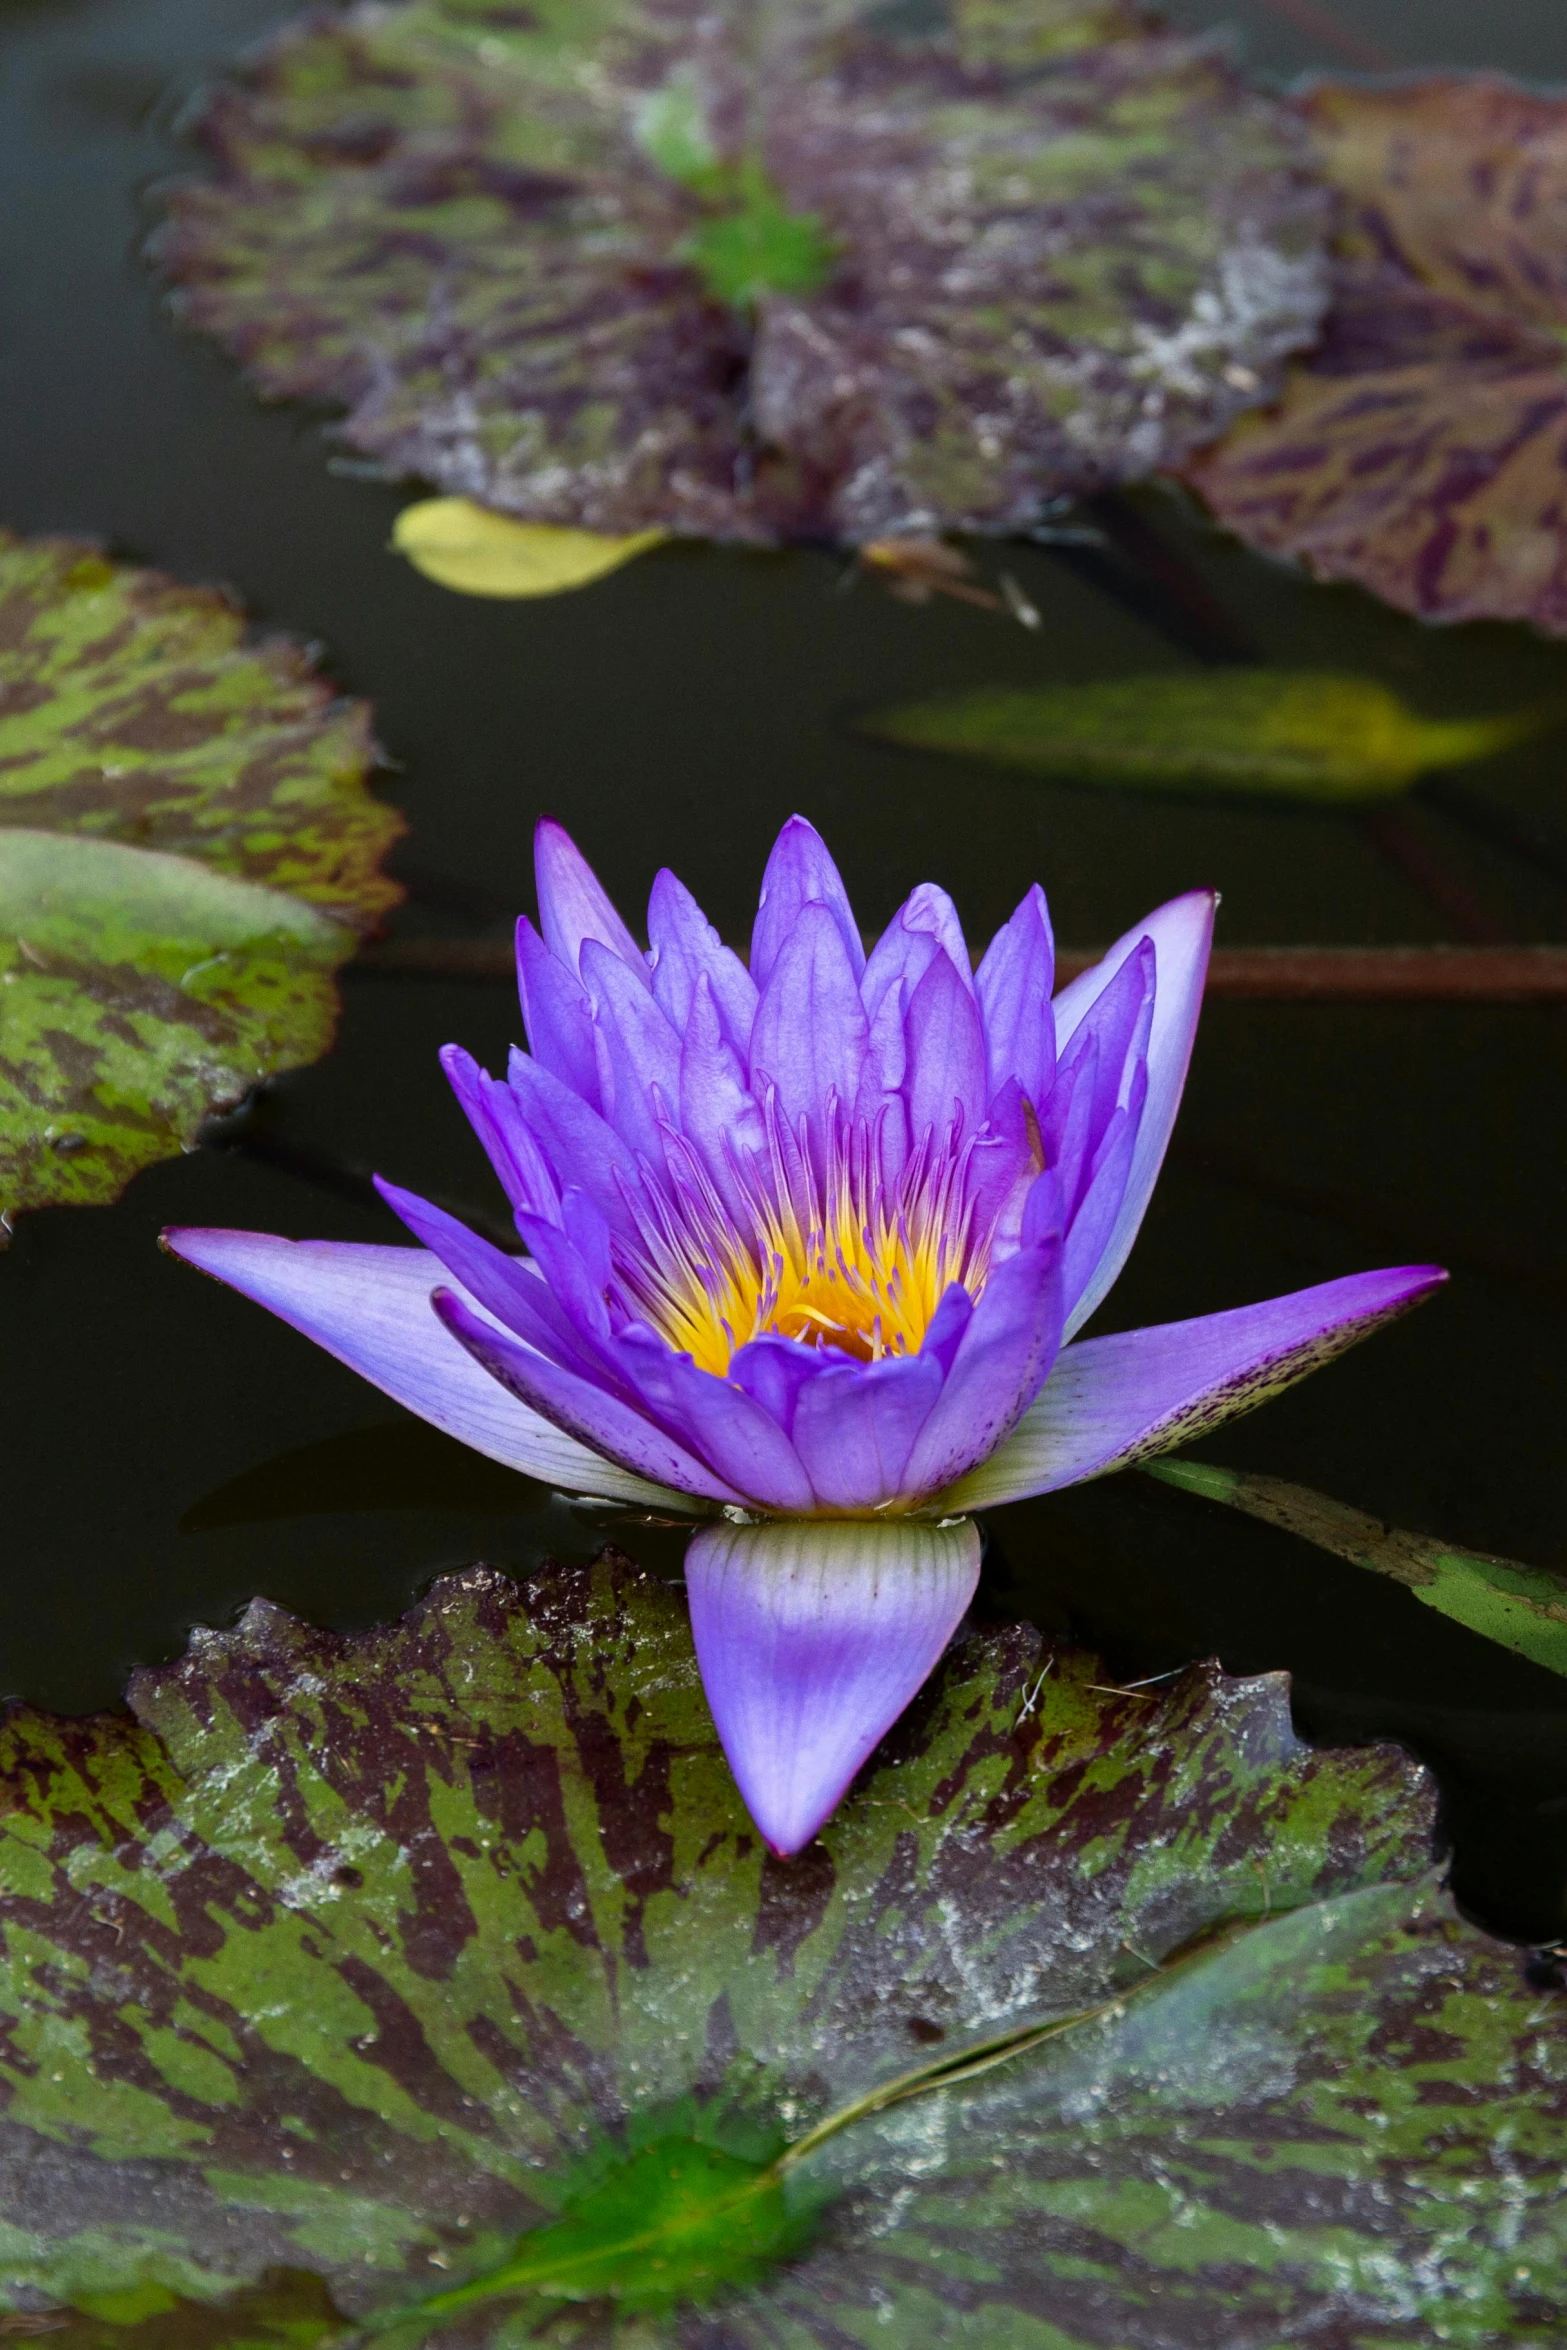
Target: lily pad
{"x":1271,"y":733}
{"x":1422,"y":449}
{"x":441,"y":1963}
{"x":806,"y":271}
{"x":1520,"y":1607}
{"x":188,"y":850}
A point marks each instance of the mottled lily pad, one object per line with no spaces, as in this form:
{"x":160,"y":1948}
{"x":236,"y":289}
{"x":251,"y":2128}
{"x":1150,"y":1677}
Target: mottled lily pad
{"x":1295,"y":734}
{"x":1422,"y":449}
{"x":442,"y":1963}
{"x":188,"y":850}
{"x":802,"y":271}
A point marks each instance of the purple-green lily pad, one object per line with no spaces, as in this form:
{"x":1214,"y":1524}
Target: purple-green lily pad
{"x":754,"y":274}
{"x":188,"y":850}
{"x":441,"y":1964}
{"x":1420,"y":450}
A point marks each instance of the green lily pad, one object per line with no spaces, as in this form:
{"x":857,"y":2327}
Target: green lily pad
{"x":187,"y":852}
{"x":442,"y":1964}
{"x":809,"y":271}
{"x":1520,"y":1607}
{"x":1420,"y":449}
{"x":1270,"y":733}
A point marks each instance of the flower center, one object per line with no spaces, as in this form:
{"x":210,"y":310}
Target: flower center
{"x":848,"y":1261}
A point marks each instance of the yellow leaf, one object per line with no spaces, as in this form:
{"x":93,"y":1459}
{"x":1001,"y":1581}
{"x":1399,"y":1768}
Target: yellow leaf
{"x":479,"y":553}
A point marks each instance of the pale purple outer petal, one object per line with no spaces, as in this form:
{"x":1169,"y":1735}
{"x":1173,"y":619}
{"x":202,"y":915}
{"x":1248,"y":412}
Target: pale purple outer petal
{"x":811,"y":1640}
{"x":800,"y":873}
{"x":1182,"y":932}
{"x":370,"y":1307}
{"x":1112,"y":1401}
{"x":599,"y":1420}
{"x":574,"y":904}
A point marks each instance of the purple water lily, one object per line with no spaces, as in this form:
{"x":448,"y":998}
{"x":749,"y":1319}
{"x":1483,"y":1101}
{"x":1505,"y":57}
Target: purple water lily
{"x":807,"y":1242}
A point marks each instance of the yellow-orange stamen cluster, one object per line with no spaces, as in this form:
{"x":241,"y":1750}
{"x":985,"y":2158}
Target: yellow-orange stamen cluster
{"x":843,"y":1261}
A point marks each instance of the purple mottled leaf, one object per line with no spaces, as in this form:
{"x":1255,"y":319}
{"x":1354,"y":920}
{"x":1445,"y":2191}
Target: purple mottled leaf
{"x":754,"y":274}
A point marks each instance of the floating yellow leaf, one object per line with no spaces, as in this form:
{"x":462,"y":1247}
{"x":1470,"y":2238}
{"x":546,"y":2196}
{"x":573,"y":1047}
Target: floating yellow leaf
{"x":1289,"y":734}
{"x":479,"y":553}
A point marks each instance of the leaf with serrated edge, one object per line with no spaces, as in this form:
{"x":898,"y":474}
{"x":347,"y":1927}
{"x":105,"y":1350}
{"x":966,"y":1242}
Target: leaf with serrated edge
{"x":365,"y":1956}
{"x":187,"y":852}
{"x":803,"y":272}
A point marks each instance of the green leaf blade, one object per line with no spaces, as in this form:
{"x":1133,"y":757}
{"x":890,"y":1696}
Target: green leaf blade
{"x":1283,"y":734}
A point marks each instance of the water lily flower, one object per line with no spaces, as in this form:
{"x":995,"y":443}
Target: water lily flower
{"x":808,"y":1244}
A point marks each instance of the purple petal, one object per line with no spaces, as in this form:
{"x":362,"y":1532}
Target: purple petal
{"x":774,"y":1370}
{"x":810,"y":1034}
{"x":578,"y":1146}
{"x":1182,"y":933}
{"x":925,"y":925}
{"x":370,"y":1307}
{"x":1003,"y":1163}
{"x":495,"y":1115}
{"x":719,"y":1422}
{"x":1013,"y":984}
{"x":1096,"y":1213}
{"x":574,"y":905}
{"x":855,"y":1426}
{"x":812,"y":1638}
{"x":597,"y":1419}
{"x":1110,"y":1401}
{"x":509,"y":1288}
{"x":800,"y":873}
{"x":946,"y":1085}
{"x":1003,"y":1355}
{"x":685,"y":948}
{"x":718,"y":1113}
{"x":637,"y":1051}
{"x":555,"y":1015}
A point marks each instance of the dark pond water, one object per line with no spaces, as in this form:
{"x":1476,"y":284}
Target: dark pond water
{"x":170,"y":1450}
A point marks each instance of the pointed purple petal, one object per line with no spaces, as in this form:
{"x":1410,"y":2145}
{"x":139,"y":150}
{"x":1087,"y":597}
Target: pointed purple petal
{"x":1182,"y":933}
{"x":1094,"y":1220}
{"x":925,"y":925}
{"x":495,"y":1115}
{"x":946,"y":1084}
{"x":578,"y":1146}
{"x":810,"y":1034}
{"x":509,"y":1288}
{"x":1001,"y":1359}
{"x":685,"y":948}
{"x":812,"y":1638}
{"x":555,"y":1015}
{"x":574,"y":905}
{"x":637,"y":1051}
{"x":799,"y":873}
{"x":1013,"y":984}
{"x":370,"y":1307}
{"x":597,"y":1419}
{"x":718,"y":1113}
{"x":1111,"y":1401}
{"x":855,"y":1426}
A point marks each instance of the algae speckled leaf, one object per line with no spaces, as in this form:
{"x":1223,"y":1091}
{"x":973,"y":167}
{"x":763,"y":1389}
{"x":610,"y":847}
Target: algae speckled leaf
{"x":187,"y":851}
{"x":1420,"y":450}
{"x":367,"y":1957}
{"x":753,"y":273}
{"x":1265,"y":733}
